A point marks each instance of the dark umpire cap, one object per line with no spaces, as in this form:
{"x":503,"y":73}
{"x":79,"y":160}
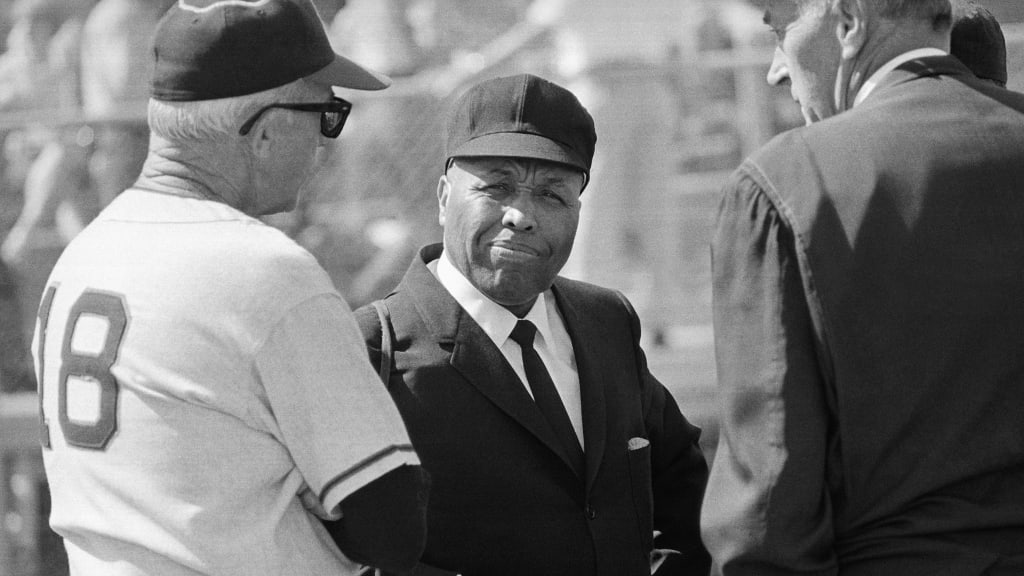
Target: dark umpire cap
{"x":522,"y":116}
{"x":978,"y":42}
{"x":208,"y":49}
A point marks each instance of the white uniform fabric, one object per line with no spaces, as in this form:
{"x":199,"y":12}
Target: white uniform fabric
{"x":245,"y":400}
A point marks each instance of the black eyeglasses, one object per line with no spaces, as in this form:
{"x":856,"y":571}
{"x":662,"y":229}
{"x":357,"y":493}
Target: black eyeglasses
{"x":332,"y":115}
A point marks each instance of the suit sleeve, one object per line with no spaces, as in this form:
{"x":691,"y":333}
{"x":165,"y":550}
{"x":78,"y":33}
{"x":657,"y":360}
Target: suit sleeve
{"x":767,"y":509}
{"x":679,"y":472}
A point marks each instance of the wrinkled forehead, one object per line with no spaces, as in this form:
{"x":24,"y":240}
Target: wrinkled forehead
{"x":518,"y":168}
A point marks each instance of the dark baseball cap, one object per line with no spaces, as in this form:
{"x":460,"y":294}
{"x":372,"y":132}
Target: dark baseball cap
{"x":207,"y":49}
{"x":977,"y":41}
{"x":522,"y":116}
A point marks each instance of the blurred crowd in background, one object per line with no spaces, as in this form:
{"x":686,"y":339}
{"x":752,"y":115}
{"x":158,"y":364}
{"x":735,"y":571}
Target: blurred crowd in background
{"x":65,"y":60}
{"x":74,"y":83}
{"x":676,"y":87}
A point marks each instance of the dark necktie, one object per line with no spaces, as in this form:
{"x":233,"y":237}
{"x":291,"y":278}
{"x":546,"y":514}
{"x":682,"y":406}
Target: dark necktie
{"x":545,"y":394}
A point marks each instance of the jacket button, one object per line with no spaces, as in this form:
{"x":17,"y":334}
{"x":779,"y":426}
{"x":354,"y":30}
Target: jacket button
{"x":590,"y":512}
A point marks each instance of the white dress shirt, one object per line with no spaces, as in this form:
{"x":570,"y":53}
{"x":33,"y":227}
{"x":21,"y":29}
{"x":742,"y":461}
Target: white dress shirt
{"x":552,"y":342}
{"x":876,"y":78}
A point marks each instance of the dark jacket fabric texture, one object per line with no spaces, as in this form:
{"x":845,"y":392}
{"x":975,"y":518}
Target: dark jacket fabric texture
{"x":504,"y":501}
{"x":869,"y":312}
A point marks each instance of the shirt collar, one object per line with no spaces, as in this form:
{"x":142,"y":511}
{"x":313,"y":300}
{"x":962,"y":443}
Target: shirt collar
{"x":876,"y":78}
{"x":495,"y":320}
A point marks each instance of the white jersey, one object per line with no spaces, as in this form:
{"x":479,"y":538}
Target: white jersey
{"x":205,"y":392}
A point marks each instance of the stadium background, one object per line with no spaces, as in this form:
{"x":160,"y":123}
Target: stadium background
{"x":678,"y":94}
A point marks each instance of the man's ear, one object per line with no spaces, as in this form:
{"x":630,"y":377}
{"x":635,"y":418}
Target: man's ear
{"x":444,"y":189}
{"x":261,"y":139}
{"x":851,"y":27}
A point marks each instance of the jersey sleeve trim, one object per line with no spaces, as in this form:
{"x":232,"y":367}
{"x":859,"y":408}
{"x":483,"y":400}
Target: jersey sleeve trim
{"x":365,"y":471}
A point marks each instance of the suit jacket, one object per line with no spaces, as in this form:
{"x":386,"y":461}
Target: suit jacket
{"x":504,"y":501}
{"x":868,"y":277}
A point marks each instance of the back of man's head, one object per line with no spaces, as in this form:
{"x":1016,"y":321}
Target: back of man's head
{"x":192,"y":122}
{"x":219,"y":62}
{"x":977,"y":41}
{"x":937,"y":12}
{"x":210,"y":49}
{"x":216,"y":60}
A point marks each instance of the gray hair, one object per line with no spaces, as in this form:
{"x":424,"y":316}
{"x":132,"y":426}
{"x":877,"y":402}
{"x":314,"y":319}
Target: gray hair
{"x":938,"y":12}
{"x":216,"y":119}
{"x":967,"y":8}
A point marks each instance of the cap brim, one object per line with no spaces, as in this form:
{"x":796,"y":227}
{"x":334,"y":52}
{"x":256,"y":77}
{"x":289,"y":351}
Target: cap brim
{"x":519,"y":145}
{"x":345,"y":73}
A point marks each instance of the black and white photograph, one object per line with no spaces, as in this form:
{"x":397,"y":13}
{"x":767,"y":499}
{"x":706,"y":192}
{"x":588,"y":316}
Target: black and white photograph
{"x":511,"y":288}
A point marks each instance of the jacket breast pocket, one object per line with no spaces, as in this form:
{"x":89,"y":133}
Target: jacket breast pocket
{"x":639,"y":455}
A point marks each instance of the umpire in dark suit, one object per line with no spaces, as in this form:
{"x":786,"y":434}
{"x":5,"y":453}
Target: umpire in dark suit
{"x":868,"y":271}
{"x":551,"y":447}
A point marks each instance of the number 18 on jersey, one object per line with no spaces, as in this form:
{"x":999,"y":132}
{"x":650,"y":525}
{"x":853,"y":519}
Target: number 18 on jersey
{"x":86,"y":389}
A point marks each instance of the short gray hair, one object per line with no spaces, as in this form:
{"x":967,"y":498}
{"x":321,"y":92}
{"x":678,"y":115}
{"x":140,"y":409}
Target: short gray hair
{"x":938,"y":12}
{"x":215,"y":119}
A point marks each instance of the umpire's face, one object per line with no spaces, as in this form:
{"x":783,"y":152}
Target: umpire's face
{"x":509,"y":224}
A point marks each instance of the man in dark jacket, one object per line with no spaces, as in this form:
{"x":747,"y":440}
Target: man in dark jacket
{"x":552,"y":449}
{"x":867,"y":281}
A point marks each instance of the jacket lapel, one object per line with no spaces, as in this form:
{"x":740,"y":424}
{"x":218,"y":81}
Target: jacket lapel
{"x":474,"y":355}
{"x":483,"y":365}
{"x":587,"y":346}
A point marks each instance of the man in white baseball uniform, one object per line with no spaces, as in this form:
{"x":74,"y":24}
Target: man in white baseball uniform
{"x":205,"y":398}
